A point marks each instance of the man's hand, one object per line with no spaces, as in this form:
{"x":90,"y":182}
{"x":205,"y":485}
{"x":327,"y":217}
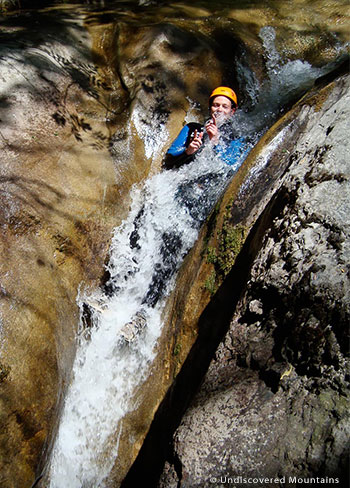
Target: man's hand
{"x":195,"y":144}
{"x":212,"y":129}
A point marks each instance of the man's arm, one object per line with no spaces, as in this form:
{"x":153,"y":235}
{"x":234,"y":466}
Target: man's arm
{"x":233,"y":151}
{"x":176,"y":155}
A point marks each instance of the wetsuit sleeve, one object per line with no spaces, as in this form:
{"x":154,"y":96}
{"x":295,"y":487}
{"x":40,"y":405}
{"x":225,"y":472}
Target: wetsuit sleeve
{"x":176,"y":156}
{"x":233,"y":151}
{"x":179,"y":145}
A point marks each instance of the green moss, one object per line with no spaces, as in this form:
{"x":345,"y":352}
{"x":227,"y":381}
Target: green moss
{"x":231,"y":240}
{"x":210,"y":283}
{"x":211,"y":255}
{"x":177,"y":349}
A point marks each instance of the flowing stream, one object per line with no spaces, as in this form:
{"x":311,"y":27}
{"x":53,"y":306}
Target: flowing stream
{"x":148,"y":248}
{"x":117,"y":343}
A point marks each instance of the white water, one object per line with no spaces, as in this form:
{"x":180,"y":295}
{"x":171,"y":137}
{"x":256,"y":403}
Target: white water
{"x":147,"y":249}
{"x":286,"y":81}
{"x":106,"y":372}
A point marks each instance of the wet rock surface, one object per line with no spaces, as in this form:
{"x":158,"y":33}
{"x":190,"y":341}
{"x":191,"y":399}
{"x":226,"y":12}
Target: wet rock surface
{"x":58,"y":200}
{"x":273,"y":401}
{"x":79,"y":93}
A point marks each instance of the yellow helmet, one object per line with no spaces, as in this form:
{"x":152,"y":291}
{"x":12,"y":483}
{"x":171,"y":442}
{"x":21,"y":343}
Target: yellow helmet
{"x":224,"y":91}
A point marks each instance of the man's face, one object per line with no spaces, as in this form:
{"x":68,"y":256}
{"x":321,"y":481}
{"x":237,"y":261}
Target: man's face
{"x":222,"y":108}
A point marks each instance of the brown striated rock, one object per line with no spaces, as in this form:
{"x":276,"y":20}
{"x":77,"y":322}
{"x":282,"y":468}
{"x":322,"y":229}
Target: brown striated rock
{"x":58,"y":208}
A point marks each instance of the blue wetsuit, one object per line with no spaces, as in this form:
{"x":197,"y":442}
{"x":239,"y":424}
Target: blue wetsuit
{"x":228,"y":150}
{"x":195,"y":195}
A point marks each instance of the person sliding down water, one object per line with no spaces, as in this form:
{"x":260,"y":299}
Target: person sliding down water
{"x":193,"y":196}
{"x":217,"y":132}
{"x":198,"y":190}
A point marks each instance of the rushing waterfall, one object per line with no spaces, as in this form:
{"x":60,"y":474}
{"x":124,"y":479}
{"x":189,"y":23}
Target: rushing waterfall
{"x":117,"y":345}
